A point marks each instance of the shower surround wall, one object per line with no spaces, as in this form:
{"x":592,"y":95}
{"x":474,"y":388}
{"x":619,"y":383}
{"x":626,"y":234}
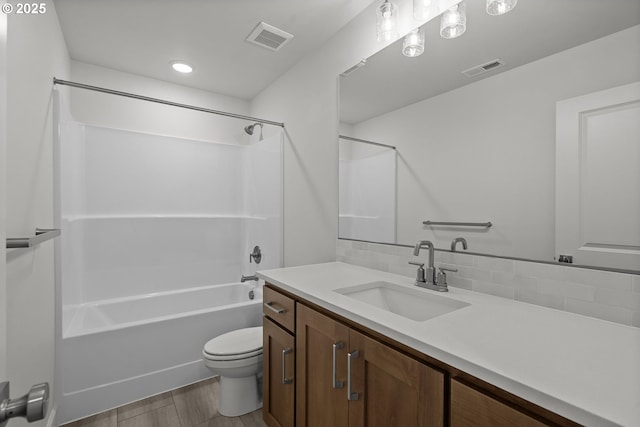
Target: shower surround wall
{"x":144,"y":213}
{"x":367,"y":206}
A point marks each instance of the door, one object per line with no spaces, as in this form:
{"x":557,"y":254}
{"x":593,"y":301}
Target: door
{"x":26,"y":275}
{"x":3,"y":197}
{"x":598,"y":178}
{"x":391,"y":389}
{"x":321,"y":350}
{"x":279,"y":379}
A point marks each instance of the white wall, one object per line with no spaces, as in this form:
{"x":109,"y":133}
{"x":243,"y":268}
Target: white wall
{"x":306,"y":100}
{"x":142,"y":116}
{"x":35,"y":53}
{"x":486,"y":151}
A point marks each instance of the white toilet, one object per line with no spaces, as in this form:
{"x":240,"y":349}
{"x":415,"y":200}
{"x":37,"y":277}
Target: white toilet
{"x":237,"y":357}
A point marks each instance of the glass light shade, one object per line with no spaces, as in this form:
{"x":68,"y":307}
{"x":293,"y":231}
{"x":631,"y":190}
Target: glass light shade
{"x":387,"y":21}
{"x":453,"y":22}
{"x":413,"y":44}
{"x":421,"y":9}
{"x":500,"y":7}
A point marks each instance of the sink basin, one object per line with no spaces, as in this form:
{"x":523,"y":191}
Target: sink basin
{"x":414,"y":304}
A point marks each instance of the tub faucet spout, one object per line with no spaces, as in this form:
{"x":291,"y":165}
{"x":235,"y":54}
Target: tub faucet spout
{"x":247,"y":278}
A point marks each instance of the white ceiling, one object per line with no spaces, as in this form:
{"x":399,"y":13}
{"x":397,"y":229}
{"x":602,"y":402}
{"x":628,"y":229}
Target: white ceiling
{"x":533,"y":30}
{"x":143,"y":36}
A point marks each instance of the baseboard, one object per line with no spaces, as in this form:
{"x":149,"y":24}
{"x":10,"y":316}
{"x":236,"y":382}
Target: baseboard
{"x":83,"y":403}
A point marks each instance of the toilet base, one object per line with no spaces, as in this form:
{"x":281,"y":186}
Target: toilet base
{"x":239,"y":396}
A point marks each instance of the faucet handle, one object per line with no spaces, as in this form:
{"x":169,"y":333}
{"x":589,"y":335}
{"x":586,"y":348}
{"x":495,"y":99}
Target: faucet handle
{"x":442,"y":275}
{"x":420,"y":276}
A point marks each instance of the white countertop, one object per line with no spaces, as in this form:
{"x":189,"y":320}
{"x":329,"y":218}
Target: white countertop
{"x":585,"y":369}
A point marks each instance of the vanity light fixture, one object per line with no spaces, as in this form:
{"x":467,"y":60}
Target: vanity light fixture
{"x":453,"y":22}
{"x":500,"y":7}
{"x":181,"y":67}
{"x":387,"y":21}
{"x":421,"y":9}
{"x":413,"y":44}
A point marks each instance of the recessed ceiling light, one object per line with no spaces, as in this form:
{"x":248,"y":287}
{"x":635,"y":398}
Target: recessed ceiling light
{"x":181,"y":67}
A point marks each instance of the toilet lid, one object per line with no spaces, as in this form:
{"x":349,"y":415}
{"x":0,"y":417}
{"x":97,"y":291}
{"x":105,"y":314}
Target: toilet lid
{"x":241,"y":342}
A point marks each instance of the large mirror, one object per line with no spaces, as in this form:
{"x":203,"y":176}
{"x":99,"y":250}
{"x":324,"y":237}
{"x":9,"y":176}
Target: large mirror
{"x":521,"y":136}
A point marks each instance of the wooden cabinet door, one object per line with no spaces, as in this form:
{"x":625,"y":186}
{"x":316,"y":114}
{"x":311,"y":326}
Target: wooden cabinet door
{"x":391,"y":389}
{"x":278,"y":386}
{"x":472,"y":408}
{"x":320,"y":402}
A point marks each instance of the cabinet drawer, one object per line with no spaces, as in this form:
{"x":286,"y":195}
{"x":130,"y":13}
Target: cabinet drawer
{"x":279,"y":308}
{"x":470,"y":407}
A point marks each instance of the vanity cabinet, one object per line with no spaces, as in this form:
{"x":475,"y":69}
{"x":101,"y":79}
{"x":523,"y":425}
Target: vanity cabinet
{"x":278,"y":382}
{"x":321,"y":369}
{"x":348,"y":379}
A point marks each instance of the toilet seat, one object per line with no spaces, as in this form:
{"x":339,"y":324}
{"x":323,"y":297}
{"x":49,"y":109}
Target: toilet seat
{"x":239,"y":344}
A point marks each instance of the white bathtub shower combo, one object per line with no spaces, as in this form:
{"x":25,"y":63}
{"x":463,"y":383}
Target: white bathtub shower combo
{"x":156,"y":234}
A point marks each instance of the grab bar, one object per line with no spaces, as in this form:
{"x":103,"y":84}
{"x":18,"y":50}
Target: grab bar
{"x":42,"y":235}
{"x":463,"y":224}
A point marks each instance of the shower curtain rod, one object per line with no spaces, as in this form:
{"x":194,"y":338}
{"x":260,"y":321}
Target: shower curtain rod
{"x":162,"y":101}
{"x":350,"y":138}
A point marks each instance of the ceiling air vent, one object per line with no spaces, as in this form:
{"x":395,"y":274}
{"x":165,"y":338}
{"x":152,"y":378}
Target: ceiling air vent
{"x":269,"y":37}
{"x":483,"y":68}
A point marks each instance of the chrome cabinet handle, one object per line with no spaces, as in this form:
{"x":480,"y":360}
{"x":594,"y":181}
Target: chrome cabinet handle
{"x":336,"y":383}
{"x":285,"y":380}
{"x":351,"y":395}
{"x":277,"y":310}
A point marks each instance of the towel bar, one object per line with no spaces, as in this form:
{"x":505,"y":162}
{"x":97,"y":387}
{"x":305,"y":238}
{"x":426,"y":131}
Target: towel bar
{"x":42,"y":235}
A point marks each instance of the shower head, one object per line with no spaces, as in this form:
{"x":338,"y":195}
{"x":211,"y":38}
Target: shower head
{"x":249,"y":128}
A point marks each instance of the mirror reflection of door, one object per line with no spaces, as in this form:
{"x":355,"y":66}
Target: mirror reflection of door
{"x":598,"y":179}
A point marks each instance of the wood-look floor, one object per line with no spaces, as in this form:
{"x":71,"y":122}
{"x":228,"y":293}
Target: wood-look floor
{"x":195,"y":405}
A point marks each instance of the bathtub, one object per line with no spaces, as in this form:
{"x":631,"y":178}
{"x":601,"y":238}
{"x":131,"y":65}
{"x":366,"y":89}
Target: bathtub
{"x":121,"y":350}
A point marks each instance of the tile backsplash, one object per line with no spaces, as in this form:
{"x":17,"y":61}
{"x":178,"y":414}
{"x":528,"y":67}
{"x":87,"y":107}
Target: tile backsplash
{"x":601,"y":294}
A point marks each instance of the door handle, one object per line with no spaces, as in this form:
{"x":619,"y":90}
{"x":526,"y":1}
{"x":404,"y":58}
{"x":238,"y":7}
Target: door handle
{"x":351,"y":395}
{"x":285,"y":380}
{"x":32,"y":406}
{"x":336,"y":383}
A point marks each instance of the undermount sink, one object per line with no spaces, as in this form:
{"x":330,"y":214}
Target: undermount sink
{"x":411,"y":303}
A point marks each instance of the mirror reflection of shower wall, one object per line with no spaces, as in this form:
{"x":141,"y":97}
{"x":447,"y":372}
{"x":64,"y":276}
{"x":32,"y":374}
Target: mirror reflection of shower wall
{"x":367,"y":191}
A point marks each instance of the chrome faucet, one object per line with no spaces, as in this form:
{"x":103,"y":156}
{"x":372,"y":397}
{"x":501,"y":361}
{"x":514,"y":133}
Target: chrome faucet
{"x":456,"y":240}
{"x":427,"y":278}
{"x":429,"y":271}
{"x":246,"y":278}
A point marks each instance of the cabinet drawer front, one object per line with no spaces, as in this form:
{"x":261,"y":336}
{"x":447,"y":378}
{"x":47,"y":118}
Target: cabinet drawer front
{"x":470,"y":407}
{"x":280,"y":308}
